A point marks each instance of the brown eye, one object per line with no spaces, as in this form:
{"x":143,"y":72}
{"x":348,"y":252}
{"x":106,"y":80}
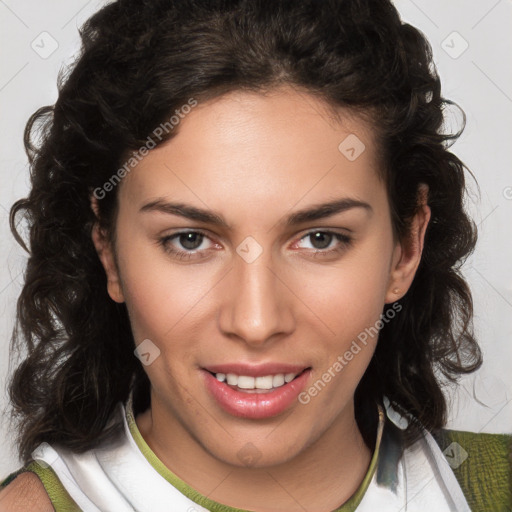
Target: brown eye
{"x":321,"y":239}
{"x":325,"y":243}
{"x":190,"y":241}
{"x":185,"y":245}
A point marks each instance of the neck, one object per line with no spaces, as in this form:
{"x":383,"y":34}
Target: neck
{"x":321,"y":477}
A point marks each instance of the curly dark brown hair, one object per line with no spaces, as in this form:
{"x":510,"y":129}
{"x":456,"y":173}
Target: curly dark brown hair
{"x":140,"y":61}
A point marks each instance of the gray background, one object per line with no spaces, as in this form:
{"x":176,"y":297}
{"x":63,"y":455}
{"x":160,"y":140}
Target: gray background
{"x":472,"y":45}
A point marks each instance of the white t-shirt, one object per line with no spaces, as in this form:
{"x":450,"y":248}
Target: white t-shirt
{"x":126,"y":476}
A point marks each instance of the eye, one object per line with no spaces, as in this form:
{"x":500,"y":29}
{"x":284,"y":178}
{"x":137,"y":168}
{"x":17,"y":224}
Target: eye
{"x":326,"y":243}
{"x":191,"y":242}
{"x":187,"y":245}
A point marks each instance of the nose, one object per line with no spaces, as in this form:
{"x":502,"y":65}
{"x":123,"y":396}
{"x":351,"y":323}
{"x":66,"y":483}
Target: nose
{"x":257,"y":307}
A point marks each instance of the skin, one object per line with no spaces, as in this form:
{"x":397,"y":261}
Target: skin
{"x":255,"y":159}
{"x":25,"y":492}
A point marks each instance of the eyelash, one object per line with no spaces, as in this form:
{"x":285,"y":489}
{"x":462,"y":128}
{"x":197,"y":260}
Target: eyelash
{"x":345,"y":242}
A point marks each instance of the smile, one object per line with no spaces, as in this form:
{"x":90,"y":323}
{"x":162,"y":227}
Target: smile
{"x":246,"y":382}
{"x":255,"y":396}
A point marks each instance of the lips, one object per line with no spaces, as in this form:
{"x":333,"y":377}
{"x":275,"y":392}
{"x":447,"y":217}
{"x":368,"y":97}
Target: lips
{"x":256,"y":370}
{"x":235,"y":387}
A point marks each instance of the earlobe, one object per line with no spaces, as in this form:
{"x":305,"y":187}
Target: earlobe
{"x":407,"y":255}
{"x":106,"y":255}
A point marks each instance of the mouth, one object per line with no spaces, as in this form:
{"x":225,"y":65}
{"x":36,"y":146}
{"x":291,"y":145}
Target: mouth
{"x":255,"y":392}
{"x":259,"y":384}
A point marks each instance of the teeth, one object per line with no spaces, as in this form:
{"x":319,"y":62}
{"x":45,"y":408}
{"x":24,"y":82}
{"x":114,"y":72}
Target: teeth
{"x":232,"y":379}
{"x":245,"y":382}
{"x":265,"y":382}
{"x":278,"y":380}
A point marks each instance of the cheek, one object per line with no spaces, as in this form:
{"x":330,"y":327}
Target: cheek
{"x":161,"y":304}
{"x":351,"y":296}
{"x":158,"y":293}
{"x":164,"y":297}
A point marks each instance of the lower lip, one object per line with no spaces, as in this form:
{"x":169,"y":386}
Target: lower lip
{"x":255,"y":405}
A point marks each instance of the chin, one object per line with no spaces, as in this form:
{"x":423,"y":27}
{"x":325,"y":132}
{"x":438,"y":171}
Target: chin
{"x":254,"y":455}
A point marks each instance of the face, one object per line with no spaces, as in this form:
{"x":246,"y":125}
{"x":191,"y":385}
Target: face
{"x":265,"y":284}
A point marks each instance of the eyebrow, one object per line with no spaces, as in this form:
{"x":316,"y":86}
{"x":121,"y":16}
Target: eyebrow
{"x":309,"y":214}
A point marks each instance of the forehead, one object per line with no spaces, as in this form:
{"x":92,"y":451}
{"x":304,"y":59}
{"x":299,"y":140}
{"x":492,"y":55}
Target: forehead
{"x":256,"y":148}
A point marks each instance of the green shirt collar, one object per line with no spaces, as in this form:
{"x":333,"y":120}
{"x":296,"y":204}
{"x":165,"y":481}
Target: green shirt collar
{"x":349,"y":506}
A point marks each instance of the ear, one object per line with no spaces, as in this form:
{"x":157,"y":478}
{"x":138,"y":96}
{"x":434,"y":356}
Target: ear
{"x":105,"y":252}
{"x":407,"y":253}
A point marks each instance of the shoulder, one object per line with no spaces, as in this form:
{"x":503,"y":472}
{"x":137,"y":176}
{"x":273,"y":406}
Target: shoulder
{"x":37,"y":488}
{"x":24,"y":491}
{"x":482,"y":463}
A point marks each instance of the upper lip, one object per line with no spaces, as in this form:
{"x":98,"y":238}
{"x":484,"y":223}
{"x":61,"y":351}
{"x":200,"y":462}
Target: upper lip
{"x":256,"y":370}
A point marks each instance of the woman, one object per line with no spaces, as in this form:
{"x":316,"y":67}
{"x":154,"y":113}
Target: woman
{"x":256,"y":200}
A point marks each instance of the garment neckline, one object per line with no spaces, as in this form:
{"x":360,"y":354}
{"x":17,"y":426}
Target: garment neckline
{"x":349,"y":506}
